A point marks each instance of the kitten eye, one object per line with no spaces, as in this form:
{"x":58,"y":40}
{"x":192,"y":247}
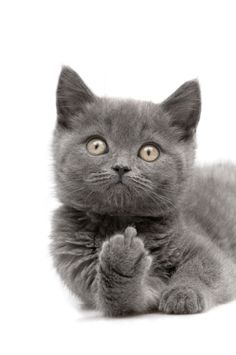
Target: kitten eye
{"x":97,"y":146}
{"x":149,"y":152}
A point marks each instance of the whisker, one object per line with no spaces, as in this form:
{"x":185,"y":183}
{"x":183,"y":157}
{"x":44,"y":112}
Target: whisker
{"x":94,"y":180}
{"x":99,"y":174}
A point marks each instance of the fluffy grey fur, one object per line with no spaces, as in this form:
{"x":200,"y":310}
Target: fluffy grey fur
{"x":162,"y":240}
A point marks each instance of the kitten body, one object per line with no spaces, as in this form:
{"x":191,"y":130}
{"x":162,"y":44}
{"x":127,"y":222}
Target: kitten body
{"x":164,"y":239}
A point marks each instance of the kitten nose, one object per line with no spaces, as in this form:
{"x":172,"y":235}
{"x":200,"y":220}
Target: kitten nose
{"x":120,"y":169}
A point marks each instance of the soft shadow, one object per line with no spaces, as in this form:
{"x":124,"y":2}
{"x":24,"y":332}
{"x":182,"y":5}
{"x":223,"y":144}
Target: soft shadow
{"x":89,"y":315}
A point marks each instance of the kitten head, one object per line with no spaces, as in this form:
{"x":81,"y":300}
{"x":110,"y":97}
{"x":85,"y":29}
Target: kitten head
{"x":116,"y":156}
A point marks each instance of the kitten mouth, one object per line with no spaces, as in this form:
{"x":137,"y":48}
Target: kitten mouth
{"x":119,"y":181}
{"x":120,"y":184}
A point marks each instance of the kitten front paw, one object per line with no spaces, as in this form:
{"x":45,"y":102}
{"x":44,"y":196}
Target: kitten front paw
{"x":124,"y":255}
{"x":181,"y":300}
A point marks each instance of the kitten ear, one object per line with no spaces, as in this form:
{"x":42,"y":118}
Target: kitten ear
{"x":72,"y":95}
{"x":184,"y":108}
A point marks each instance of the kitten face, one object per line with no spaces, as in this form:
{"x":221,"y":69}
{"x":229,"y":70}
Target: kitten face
{"x":141,"y":155}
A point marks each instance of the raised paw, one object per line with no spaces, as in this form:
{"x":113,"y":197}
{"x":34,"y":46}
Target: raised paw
{"x":181,"y":300}
{"x":124,"y":255}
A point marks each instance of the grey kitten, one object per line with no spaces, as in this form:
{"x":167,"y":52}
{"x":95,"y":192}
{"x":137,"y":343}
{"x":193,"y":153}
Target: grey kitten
{"x":140,"y":228}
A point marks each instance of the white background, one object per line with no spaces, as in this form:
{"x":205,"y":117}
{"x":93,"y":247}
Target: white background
{"x":141,"y":49}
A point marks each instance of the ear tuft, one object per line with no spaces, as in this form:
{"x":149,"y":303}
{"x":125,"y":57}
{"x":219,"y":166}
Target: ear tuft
{"x":72,"y":95}
{"x":184,"y":108}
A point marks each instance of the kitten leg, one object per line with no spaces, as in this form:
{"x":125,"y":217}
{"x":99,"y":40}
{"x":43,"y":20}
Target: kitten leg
{"x":206,"y":278}
{"x":123,"y":284}
{"x":97,"y":278}
{"x":76,"y":261}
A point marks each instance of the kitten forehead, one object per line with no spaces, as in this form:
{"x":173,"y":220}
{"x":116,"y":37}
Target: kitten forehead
{"x":124,"y":120}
